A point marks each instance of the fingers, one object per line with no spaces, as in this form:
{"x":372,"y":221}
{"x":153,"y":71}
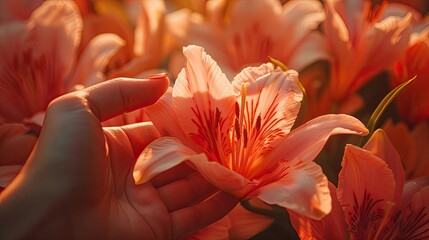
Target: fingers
{"x":178,"y":172}
{"x":186,"y":192}
{"x":189,"y":220}
{"x":114,"y":97}
{"x":140,"y":135}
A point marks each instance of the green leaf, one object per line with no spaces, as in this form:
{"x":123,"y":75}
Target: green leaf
{"x":372,"y":122}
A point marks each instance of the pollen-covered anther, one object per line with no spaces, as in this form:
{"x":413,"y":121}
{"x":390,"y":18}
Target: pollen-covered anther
{"x":244,"y":137}
{"x":237,"y":129}
{"x":258,"y":123}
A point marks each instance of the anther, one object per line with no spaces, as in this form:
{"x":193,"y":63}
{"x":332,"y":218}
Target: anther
{"x":258,"y":123}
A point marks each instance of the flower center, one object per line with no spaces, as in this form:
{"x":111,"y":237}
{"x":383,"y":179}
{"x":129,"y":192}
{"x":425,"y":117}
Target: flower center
{"x":239,"y":135}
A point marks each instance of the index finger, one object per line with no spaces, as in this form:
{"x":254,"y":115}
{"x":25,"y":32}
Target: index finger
{"x":116,"y":96}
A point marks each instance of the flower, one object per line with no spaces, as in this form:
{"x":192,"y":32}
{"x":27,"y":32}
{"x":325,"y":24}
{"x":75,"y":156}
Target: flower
{"x":375,"y":200}
{"x":39,"y":59}
{"x":362,"y":43}
{"x":244,"y":33}
{"x":151,"y":44}
{"x":238,"y":134}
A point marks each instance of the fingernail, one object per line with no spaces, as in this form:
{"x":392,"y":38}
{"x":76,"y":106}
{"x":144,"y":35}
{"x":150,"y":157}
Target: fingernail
{"x":156,"y":76}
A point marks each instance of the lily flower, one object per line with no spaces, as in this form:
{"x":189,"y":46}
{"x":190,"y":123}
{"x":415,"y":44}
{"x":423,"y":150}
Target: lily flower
{"x":39,"y":61}
{"x":375,"y":200}
{"x":244,"y":33}
{"x":238,"y":134}
{"x":362,"y":42}
{"x":150,"y":43}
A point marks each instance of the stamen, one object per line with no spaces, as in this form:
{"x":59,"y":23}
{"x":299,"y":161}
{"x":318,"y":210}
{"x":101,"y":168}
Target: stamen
{"x":245,"y":137}
{"x":237,"y":110}
{"x":258,"y":123}
{"x":243,"y":101}
{"x":237,"y":129}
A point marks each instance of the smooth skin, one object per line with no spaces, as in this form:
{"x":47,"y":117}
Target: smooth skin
{"x":77,"y":182}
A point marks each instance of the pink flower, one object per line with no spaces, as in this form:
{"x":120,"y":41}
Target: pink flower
{"x":374,"y":201}
{"x":362,"y":43}
{"x":238,"y":134}
{"x":39,"y":59}
{"x":244,"y":33}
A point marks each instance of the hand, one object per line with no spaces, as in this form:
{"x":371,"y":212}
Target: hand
{"x":77,"y":182}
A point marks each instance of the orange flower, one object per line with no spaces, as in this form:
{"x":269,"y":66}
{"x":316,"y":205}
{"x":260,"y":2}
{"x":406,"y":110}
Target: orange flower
{"x":376,"y":202}
{"x":39,"y":59}
{"x":238,"y":135}
{"x":362,"y":43}
{"x":244,"y":33}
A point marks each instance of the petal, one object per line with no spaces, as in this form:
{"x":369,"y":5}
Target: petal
{"x":58,"y":23}
{"x":163,"y":116}
{"x":8,"y":173}
{"x":405,"y":145}
{"x":276,"y":98}
{"x":149,"y":28}
{"x":335,"y":222}
{"x":215,"y":231}
{"x":204,"y":102}
{"x":306,"y":141}
{"x":303,"y":189}
{"x":365,"y":185}
{"x":95,"y":58}
{"x":160,"y":155}
{"x":11,"y":41}
{"x":272,"y":104}
{"x":383,"y":44}
{"x":246,"y":224}
{"x":311,"y":49}
{"x":250,"y":75}
{"x":380,"y":145}
{"x":165,"y":153}
{"x":299,"y":19}
{"x":333,"y":226}
{"x":412,"y":213}
{"x":349,"y":13}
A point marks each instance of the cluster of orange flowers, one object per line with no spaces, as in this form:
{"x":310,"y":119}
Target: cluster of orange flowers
{"x":258,"y":87}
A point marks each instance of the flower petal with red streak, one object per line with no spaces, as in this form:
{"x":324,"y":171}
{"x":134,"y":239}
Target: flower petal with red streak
{"x":303,"y":189}
{"x":204,"y":100}
{"x":167,"y":152}
{"x":365,"y":185}
{"x":380,"y":146}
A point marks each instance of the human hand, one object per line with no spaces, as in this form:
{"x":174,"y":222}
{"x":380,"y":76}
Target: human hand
{"x":77,"y":182}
